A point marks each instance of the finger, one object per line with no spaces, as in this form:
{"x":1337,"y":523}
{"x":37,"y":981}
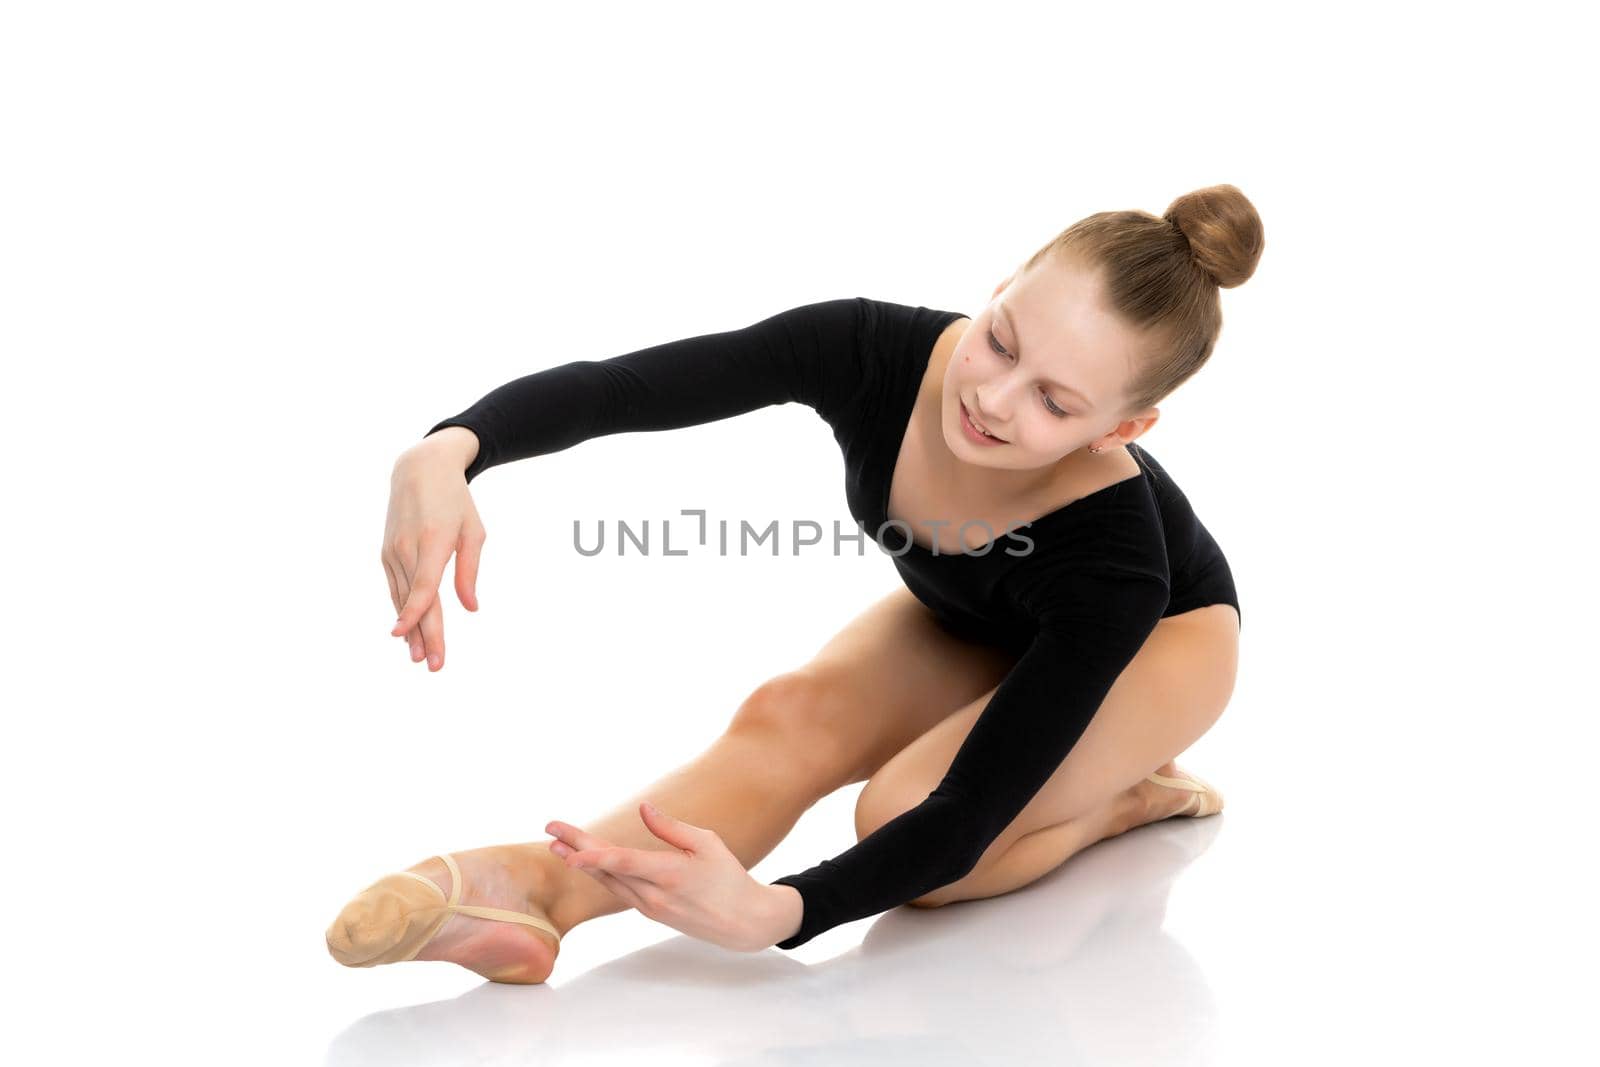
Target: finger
{"x":576,"y":837}
{"x":433,"y":552}
{"x":394,"y":590}
{"x":643,"y":864}
{"x":468,"y":553}
{"x":673,"y":830}
{"x":618,"y":887}
{"x":596,"y":851}
{"x":394,"y":595}
{"x":402,"y":588}
{"x":412,"y":636}
{"x":433,"y":635}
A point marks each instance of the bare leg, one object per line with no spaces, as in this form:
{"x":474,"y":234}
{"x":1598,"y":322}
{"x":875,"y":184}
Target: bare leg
{"x":1036,"y":854}
{"x":747,"y":786}
{"x":795,"y":739}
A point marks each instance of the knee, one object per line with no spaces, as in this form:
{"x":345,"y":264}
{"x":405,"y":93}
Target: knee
{"x":885,"y":796}
{"x":794,"y":714}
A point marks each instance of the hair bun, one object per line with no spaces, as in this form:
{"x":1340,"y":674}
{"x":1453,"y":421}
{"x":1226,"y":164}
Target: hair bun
{"x":1223,"y":230}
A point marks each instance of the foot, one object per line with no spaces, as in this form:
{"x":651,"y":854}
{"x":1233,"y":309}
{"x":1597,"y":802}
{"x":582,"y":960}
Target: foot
{"x":516,"y":877}
{"x":1157,"y":801}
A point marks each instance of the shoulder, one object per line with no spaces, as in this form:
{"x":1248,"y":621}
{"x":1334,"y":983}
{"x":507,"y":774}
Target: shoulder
{"x":891,"y":322}
{"x":1106,"y":557}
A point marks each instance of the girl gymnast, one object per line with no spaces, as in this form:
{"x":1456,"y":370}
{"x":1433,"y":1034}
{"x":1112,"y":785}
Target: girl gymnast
{"x":1067,"y":626}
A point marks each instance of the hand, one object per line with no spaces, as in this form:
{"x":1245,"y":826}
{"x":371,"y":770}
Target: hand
{"x":431,"y":516}
{"x":697,"y":887}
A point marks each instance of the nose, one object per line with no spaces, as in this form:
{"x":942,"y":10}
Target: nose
{"x":987,"y":413}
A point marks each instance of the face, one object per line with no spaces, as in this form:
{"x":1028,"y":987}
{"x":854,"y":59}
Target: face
{"x":1043,"y":368}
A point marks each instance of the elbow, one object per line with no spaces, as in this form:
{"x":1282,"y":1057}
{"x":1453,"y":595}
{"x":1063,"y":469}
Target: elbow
{"x":949,"y":890}
{"x":965,"y":857}
{"x":959,"y":861}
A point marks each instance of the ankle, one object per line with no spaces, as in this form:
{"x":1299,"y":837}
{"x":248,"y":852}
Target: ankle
{"x":1138,"y":804}
{"x":556,"y":889}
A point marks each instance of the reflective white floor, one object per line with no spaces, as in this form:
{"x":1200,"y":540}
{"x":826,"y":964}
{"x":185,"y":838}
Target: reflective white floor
{"x":1079,"y":967}
{"x":1268,"y":934}
{"x":1233,"y":939}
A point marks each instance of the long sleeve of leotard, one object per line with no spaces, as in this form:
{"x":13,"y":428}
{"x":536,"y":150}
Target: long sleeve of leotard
{"x":1091,"y":626}
{"x":809,"y":354}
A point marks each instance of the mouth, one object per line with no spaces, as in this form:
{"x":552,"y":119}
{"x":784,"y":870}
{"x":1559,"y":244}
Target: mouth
{"x":966,"y":416}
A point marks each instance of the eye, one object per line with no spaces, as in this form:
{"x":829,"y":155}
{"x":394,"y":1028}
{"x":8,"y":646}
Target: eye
{"x":1050,"y":405}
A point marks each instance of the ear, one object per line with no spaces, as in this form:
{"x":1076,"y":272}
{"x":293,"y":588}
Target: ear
{"x":1140,"y":424}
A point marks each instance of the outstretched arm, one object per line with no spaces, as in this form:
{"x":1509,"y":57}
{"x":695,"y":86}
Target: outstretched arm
{"x":807,"y":354}
{"x":1091,"y":628}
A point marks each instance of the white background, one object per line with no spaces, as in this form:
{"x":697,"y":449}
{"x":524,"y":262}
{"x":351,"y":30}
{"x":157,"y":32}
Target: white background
{"x":250,"y":252}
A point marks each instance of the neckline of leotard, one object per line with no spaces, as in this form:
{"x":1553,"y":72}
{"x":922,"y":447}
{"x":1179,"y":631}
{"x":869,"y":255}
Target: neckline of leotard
{"x":908,"y":405}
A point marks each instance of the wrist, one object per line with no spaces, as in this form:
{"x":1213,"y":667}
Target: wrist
{"x":457,"y":445}
{"x":787,"y":912}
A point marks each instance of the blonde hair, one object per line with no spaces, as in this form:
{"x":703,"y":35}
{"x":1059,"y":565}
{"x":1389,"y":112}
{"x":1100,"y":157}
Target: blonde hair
{"x":1162,"y":275}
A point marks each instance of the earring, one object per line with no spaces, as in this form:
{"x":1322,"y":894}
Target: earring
{"x":1093,"y":450}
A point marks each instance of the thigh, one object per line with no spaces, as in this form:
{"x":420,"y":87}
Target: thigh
{"x":890,"y":676}
{"x":1170,"y":693}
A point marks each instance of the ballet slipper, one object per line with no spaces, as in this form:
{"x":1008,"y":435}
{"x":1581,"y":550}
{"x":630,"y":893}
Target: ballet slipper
{"x":392,"y":919}
{"x":1206,"y":801}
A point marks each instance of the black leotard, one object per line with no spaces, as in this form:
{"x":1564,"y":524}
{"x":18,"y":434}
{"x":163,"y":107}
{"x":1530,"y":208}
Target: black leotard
{"x":1075,"y":593}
